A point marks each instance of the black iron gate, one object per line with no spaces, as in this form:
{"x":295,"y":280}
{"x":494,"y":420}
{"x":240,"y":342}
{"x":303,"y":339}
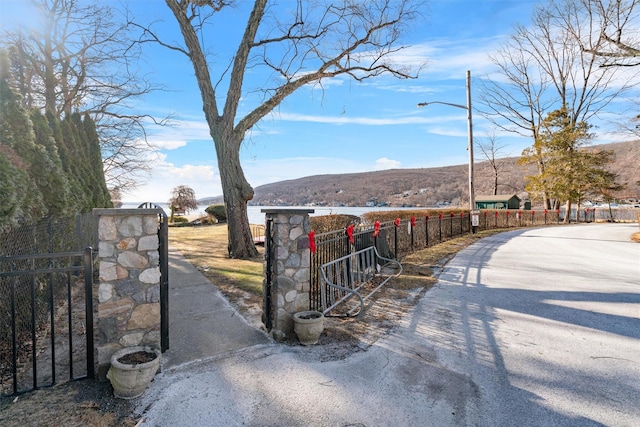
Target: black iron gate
{"x":269,"y":258}
{"x":163,"y":249}
{"x":46,"y":329}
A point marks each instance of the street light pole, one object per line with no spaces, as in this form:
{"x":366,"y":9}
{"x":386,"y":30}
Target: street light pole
{"x":472,"y":196}
{"x":468,"y":107}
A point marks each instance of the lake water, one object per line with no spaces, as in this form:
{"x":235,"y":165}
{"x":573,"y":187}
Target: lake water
{"x":257,"y":217}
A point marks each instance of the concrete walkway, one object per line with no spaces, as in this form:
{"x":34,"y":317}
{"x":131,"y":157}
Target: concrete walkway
{"x":202,"y":323}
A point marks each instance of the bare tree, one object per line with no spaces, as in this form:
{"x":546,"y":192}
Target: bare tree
{"x":615,"y":23}
{"x":79,"y":59}
{"x":547,"y":66}
{"x":493,"y":152}
{"x":292,"y":47}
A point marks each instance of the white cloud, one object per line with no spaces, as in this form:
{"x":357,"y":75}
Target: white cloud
{"x":405,"y":88}
{"x":165,"y":176}
{"x":461,"y":132}
{"x":384,"y":163}
{"x":166,"y":144}
{"x":328,"y":82}
{"x":450,"y":59}
{"x":192,"y":172}
{"x":408,"y":60}
{"x":177,"y":133}
{"x":341,"y":120}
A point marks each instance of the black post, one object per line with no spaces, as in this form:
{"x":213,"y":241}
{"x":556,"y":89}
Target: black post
{"x":451,"y":226}
{"x":268,"y":278}
{"x":34,"y":347}
{"x":412,"y":228}
{"x":395,"y":241}
{"x":88,"y":295}
{"x":164,"y":281}
{"x":52,"y":319}
{"x":14,"y":335}
{"x":70,"y":325}
{"x":426,"y":229}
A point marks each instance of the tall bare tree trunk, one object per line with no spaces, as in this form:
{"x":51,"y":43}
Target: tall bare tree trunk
{"x":328,"y":43}
{"x":235,"y":187}
{"x":237,"y":192}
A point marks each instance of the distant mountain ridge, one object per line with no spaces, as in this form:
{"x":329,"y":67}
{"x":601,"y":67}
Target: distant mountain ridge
{"x":424,"y":187}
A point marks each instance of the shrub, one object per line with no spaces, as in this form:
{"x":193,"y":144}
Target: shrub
{"x":219,"y":212}
{"x":385,"y":216}
{"x":325,"y":223}
{"x":180,"y":219}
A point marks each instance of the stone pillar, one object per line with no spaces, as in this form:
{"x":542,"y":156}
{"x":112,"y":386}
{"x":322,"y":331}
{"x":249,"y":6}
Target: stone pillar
{"x":127,"y":312}
{"x":287,"y":256}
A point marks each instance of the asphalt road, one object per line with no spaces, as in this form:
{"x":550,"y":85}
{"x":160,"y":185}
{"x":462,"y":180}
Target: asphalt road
{"x":546,"y":322}
{"x":537,"y":327}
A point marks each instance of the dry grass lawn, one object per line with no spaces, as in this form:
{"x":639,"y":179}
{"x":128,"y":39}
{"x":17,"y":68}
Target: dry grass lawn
{"x":206,"y":248}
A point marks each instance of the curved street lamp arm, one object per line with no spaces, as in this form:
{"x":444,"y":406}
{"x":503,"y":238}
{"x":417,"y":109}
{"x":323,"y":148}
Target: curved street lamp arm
{"x":424,"y":104}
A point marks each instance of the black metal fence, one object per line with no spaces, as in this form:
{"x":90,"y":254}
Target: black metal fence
{"x":608,"y":215}
{"x":46,"y":276}
{"x":396,"y":239}
{"x":50,"y":235}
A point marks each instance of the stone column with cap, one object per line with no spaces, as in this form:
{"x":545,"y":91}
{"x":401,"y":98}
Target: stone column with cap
{"x":127,"y":312}
{"x":287,"y":255}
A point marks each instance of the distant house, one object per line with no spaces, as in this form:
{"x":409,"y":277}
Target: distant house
{"x":500,"y":201}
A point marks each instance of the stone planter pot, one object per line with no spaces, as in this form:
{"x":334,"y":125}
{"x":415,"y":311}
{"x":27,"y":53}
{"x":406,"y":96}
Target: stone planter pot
{"x":132,"y":369}
{"x":308,"y":325}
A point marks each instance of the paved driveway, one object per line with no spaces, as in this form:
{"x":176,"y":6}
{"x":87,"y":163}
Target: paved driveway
{"x":533,"y":327}
{"x":547,"y":324}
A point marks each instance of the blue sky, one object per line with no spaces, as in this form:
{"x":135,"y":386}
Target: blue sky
{"x":344,"y":127}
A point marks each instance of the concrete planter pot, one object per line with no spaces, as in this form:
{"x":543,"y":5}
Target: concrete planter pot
{"x":308,"y":325}
{"x":132,"y":369}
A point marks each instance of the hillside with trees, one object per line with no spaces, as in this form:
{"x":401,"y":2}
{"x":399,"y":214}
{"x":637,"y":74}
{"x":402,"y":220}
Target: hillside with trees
{"x":430,"y":186}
